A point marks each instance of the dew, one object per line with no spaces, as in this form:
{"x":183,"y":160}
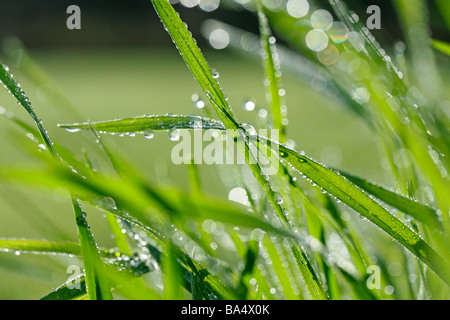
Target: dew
{"x":249,"y":129}
{"x":361,"y":95}
{"x":195,"y":97}
{"x":338,"y":32}
{"x":400,"y":48}
{"x":403,"y":158}
{"x":395,"y":269}
{"x":174,"y":134}
{"x":290,"y":144}
{"x":239,"y":195}
{"x":262,"y":113}
{"x":209,"y":5}
{"x":389,"y":290}
{"x":278,"y":198}
{"x":297,"y":8}
{"x":357,"y":40}
{"x":149,"y":134}
{"x":318,"y":83}
{"x":321,"y":19}
{"x":195,"y":120}
{"x":189,"y":3}
{"x":249,"y":105}
{"x":354,"y":18}
{"x":328,"y":56}
{"x":317,"y":40}
{"x":257,"y":234}
{"x":215,"y":74}
{"x":199,"y":104}
{"x":71,"y":130}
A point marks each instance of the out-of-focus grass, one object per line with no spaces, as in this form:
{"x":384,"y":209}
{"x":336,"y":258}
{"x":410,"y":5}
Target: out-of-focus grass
{"x":137,"y":82}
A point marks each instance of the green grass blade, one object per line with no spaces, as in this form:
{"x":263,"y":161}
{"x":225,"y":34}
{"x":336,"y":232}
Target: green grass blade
{"x":442,"y":46}
{"x":272,"y":71}
{"x":156,"y":123}
{"x":194,"y":59}
{"x":39,"y":246}
{"x":68,"y":290}
{"x":344,"y":190}
{"x":146,"y":124}
{"x":14,"y":88}
{"x":96,"y":283}
{"x":173,"y":276}
{"x":114,"y":223}
{"x":415,"y":209}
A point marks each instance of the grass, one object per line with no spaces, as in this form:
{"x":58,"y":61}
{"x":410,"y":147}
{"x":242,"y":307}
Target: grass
{"x":307,"y":232}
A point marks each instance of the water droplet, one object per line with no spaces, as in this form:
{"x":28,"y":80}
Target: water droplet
{"x":262,"y":113}
{"x":297,"y":8}
{"x":290,"y":144}
{"x":279,"y":198}
{"x":361,"y":95}
{"x":215,"y":74}
{"x":149,"y":134}
{"x":239,"y":195}
{"x":199,"y":104}
{"x":174,"y":134}
{"x":195,"y":97}
{"x":354,"y":18}
{"x":249,"y":105}
{"x":317,"y":40}
{"x":249,"y":129}
{"x":72,"y":129}
{"x":338,"y":32}
{"x":219,"y":39}
{"x":321,"y":19}
{"x":283,"y":154}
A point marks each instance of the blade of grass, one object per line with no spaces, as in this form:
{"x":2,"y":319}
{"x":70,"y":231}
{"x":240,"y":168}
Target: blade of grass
{"x":145,"y":124}
{"x":411,"y":207}
{"x":68,"y":291}
{"x":369,"y":208}
{"x":96,"y":284}
{"x":13,"y":87}
{"x":173,"y":276}
{"x":114,"y":224}
{"x":344,"y":190}
{"x":417,"y":210}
